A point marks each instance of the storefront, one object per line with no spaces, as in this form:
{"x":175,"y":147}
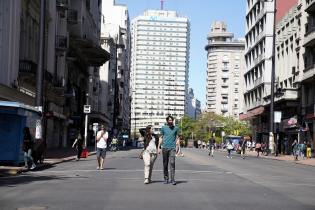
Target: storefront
{"x":288,"y":132}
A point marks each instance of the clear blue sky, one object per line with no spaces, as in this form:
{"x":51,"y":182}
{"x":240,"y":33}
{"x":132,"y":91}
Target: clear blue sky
{"x":201,"y":14}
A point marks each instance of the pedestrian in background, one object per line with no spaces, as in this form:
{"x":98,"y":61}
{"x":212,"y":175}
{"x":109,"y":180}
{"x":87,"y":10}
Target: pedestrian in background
{"x":295,"y":149}
{"x":286,"y":143}
{"x":168,"y":141}
{"x":101,"y":139}
{"x":243,"y":144}
{"x":258,"y":148}
{"x":199,"y":144}
{"x":79,"y":145}
{"x":151,"y":143}
{"x":308,"y":150}
{"x":229,"y":148}
{"x":302,"y":149}
{"x":28,"y":148}
{"x":211,"y":146}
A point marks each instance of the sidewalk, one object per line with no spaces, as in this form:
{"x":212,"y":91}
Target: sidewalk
{"x":52,"y":157}
{"x":288,"y":158}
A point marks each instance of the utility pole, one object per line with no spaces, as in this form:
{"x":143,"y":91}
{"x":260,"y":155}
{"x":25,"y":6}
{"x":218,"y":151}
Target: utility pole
{"x":272,"y":86}
{"x":40,"y":69}
{"x":162,"y":4}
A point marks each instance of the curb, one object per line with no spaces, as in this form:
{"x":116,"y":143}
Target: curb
{"x":4,"y":172}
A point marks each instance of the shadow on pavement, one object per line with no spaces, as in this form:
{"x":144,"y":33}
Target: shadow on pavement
{"x":19,"y":180}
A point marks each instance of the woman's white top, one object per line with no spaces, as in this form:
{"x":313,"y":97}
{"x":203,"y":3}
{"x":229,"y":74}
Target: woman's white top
{"x":151,"y":148}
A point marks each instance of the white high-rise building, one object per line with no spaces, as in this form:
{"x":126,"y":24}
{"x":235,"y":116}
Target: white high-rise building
{"x":225,"y":69}
{"x":159,"y":68}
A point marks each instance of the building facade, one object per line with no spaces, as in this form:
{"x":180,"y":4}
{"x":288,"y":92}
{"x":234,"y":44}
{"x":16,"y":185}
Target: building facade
{"x":258,"y":61}
{"x":289,"y":53}
{"x":71,"y":58}
{"x":293,"y":96}
{"x":159,"y":68}
{"x":193,"y":105}
{"x":116,"y":37}
{"x":308,"y":81}
{"x":225,"y":66}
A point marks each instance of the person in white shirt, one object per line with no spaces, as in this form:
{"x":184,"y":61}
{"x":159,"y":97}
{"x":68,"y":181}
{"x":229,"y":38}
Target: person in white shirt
{"x":101,"y":145}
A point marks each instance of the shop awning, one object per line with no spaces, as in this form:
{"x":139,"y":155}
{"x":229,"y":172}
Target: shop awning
{"x":252,"y":113}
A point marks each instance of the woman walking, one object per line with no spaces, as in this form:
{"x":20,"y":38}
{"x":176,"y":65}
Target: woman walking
{"x":150,"y":152}
{"x":229,"y":148}
{"x":79,"y":142}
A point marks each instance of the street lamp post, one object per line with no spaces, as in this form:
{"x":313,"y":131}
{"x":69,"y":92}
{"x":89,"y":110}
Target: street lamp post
{"x":40,"y":70}
{"x":116,"y":101}
{"x":135,"y":116}
{"x":272,"y":83}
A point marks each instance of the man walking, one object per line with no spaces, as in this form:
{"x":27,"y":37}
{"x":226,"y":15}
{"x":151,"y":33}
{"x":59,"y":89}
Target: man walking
{"x":168,"y":141}
{"x":211,"y":146}
{"x":101,"y":138}
{"x":243,"y":144}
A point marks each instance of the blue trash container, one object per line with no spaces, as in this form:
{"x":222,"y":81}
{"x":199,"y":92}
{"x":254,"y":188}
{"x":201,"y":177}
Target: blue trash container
{"x":14,"y":117}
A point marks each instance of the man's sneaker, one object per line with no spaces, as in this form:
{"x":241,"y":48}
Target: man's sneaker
{"x":165,"y":182}
{"x":33,"y":167}
{"x":173,"y":183}
{"x":97,"y":168}
{"x":146,"y":181}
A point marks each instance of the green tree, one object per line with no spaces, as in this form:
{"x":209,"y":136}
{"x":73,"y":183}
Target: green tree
{"x":186,"y":125}
{"x":210,"y":124}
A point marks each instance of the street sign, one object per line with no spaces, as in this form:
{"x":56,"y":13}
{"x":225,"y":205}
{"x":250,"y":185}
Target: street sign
{"x":95,"y":127}
{"x":277,"y":116}
{"x":87,"y":109}
{"x":38,"y":131}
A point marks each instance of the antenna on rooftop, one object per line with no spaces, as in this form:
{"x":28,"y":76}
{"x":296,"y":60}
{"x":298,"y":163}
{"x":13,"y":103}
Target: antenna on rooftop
{"x":162,"y":4}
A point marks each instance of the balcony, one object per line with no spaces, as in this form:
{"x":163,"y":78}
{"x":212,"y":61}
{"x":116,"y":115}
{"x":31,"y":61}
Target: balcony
{"x":224,"y":92}
{"x":309,"y":72}
{"x":225,"y":69}
{"x":61,"y":43}
{"x":72,"y":16}
{"x":309,"y":37}
{"x":310,"y":6}
{"x":258,"y":59}
{"x":225,"y":76}
{"x":260,"y":36}
{"x":255,"y":104}
{"x":27,"y":67}
{"x":62,"y":4}
{"x":287,"y":94}
{"x":224,"y":109}
{"x":258,"y":81}
{"x":224,"y":101}
{"x":225,"y":85}
{"x":59,"y":86}
{"x":261,"y":14}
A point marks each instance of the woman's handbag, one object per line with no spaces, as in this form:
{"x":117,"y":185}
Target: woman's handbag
{"x":141,"y":154}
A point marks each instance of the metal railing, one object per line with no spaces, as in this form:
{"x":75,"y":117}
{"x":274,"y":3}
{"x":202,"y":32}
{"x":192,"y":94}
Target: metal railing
{"x":27,"y":66}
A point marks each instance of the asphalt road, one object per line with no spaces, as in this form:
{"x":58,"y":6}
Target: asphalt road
{"x":203,"y":183}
